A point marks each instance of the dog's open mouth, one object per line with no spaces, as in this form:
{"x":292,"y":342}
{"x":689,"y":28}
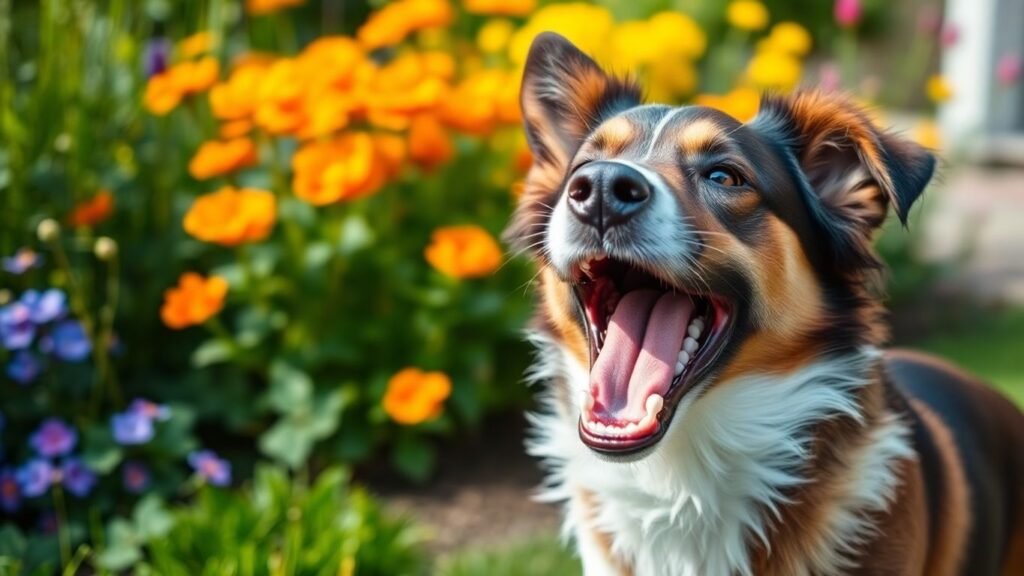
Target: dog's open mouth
{"x":650,"y":343}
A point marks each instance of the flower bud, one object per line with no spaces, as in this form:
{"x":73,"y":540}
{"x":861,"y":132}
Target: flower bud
{"x":48,"y":230}
{"x":105,"y":248}
{"x":5,"y":296}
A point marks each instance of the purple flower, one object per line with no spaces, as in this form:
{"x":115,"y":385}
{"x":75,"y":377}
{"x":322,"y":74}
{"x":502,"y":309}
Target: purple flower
{"x":213,"y":469}
{"x":23,"y":260}
{"x":68,"y":341}
{"x":34,"y":477}
{"x":10,"y":492}
{"x":53,"y":438}
{"x":150,"y":409}
{"x":135,"y":476}
{"x":77,"y":477}
{"x":16,"y":327}
{"x":23,"y":367}
{"x":46,"y":306}
{"x":155,"y":56}
{"x":131,"y":427}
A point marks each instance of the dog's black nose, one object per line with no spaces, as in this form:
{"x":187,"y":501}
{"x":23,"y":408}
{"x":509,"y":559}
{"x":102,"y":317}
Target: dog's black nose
{"x":605,"y":194}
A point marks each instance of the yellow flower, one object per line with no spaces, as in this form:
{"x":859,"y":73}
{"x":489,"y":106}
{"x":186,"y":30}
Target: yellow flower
{"x":938,"y":89}
{"x":393,"y":22}
{"x":280,"y":109}
{"x":500,"y":7}
{"x":771,"y":70}
{"x":414,"y":396}
{"x":196,"y":45}
{"x":670,"y":78}
{"x":791,"y":38}
{"x":493,"y":36}
{"x":215,"y":157}
{"x":741,"y":103}
{"x":631,"y":45}
{"x":927,"y":134}
{"x":232,"y":216}
{"x":677,"y":34}
{"x":268,"y":6}
{"x":193,"y":301}
{"x":586,"y":26}
{"x":463,"y":252}
{"x":747,"y":15}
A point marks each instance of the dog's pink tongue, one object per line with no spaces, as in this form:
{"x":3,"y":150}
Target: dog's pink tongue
{"x":638,"y":358}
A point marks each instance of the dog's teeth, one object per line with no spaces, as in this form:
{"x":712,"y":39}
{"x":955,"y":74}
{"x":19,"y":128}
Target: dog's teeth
{"x":684,"y":358}
{"x":694,"y":331}
{"x":699,"y":323}
{"x":654,"y":404}
{"x":679,"y":367}
{"x":690,"y":345}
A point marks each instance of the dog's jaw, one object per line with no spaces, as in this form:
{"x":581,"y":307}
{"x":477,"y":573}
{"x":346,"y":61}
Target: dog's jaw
{"x":706,"y":494}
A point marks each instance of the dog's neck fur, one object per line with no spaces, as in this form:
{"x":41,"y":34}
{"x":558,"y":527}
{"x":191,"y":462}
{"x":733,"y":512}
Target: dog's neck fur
{"x":737,"y":459}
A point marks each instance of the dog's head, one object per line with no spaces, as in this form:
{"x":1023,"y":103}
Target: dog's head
{"x":681,"y":248}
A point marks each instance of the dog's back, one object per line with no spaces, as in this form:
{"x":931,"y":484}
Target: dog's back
{"x":970,"y":442}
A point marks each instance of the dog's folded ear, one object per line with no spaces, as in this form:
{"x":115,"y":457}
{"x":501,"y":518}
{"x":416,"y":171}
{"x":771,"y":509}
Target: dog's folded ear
{"x":854,"y":171}
{"x":565,"y":95}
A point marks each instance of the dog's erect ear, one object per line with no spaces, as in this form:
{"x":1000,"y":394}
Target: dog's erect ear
{"x":565,"y":95}
{"x":854,"y":170}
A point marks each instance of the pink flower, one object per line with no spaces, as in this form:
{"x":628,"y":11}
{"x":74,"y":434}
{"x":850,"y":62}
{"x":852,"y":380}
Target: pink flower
{"x":829,"y":77}
{"x":950,"y":36}
{"x":929,"y":20}
{"x":848,"y":12}
{"x":1008,"y":69}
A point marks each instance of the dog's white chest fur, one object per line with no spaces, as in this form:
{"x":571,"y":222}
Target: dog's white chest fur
{"x":708,"y":490}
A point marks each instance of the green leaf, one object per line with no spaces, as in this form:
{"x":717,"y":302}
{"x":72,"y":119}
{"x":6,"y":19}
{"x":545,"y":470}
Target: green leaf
{"x":291,"y":389}
{"x":122,"y":549}
{"x":152,"y":520}
{"x":288,"y":442}
{"x":99,"y":451}
{"x":414,"y":458}
{"x":12,"y":541}
{"x":213,"y":351}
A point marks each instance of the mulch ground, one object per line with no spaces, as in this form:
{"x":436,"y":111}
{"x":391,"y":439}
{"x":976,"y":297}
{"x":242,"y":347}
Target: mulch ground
{"x":481,"y":495}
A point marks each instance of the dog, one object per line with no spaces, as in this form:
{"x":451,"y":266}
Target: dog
{"x":719,"y":401}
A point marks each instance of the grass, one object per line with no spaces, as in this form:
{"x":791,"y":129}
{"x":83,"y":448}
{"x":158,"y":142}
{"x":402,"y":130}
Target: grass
{"x":541,"y":556}
{"x":991,"y":346}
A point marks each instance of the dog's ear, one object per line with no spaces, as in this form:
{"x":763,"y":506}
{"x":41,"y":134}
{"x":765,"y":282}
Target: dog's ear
{"x":854,"y":171}
{"x":565,"y":95}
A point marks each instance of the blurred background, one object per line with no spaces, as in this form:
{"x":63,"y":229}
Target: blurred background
{"x":254,"y":315}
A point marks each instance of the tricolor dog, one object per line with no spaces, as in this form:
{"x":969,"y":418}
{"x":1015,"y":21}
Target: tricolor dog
{"x":719,"y":399}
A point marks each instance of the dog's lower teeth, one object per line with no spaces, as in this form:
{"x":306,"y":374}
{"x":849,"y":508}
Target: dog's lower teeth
{"x":693,"y":331}
{"x":683,"y":358}
{"x":679,"y":367}
{"x":690,"y":345}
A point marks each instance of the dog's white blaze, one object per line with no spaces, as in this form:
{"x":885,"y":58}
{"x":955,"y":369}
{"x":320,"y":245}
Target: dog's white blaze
{"x":717,"y":478}
{"x":658,"y":129}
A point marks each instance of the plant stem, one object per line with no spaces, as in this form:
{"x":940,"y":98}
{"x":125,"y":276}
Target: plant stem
{"x":62,"y":520}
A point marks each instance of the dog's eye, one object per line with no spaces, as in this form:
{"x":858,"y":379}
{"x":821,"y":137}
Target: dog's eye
{"x":724,"y":176}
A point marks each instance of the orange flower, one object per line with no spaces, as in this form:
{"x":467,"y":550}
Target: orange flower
{"x":463,"y":251}
{"x":268,"y":6}
{"x":92,"y":211}
{"x":500,"y":7}
{"x":351,"y":166}
{"x":429,"y":145}
{"x":231,"y":216}
{"x":193,"y":301}
{"x":280,"y":110}
{"x":216,"y":157}
{"x":482,"y":100}
{"x":162,"y":94}
{"x":195,"y":76}
{"x":414,"y":396}
{"x":237,"y":98}
{"x":393,"y":22}
{"x":197,"y":44}
{"x":235,"y":129}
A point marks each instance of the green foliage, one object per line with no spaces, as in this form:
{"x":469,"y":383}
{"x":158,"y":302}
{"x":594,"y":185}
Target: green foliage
{"x":283,"y":528}
{"x":536,"y":557}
